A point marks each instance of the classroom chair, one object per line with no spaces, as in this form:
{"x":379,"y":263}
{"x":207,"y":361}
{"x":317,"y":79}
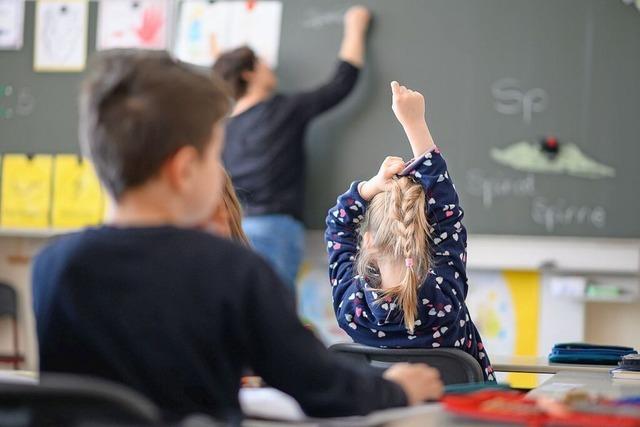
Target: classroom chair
{"x":9,"y":308}
{"x":71,"y":400}
{"x":455,"y":366}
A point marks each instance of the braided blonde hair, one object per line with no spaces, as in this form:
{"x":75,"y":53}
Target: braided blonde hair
{"x":397,"y":222}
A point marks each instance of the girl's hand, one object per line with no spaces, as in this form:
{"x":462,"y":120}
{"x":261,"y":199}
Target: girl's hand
{"x":390,"y":167}
{"x":407,"y":105}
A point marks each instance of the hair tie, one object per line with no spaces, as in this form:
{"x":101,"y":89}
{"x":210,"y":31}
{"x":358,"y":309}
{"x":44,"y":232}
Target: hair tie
{"x":408,"y":262}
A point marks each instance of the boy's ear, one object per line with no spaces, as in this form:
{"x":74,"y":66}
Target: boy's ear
{"x":178,"y":170}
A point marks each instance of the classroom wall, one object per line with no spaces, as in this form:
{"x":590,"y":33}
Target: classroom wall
{"x":608,"y":323}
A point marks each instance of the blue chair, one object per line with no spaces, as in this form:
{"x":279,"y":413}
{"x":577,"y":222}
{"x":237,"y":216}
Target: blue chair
{"x":455,"y":366}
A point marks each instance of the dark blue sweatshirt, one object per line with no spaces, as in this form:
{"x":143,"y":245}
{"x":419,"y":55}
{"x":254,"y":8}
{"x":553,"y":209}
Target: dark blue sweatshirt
{"x":443,"y":318}
{"x":264,"y":146}
{"x":177,"y":314}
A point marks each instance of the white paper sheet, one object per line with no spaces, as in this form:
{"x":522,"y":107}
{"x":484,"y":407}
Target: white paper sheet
{"x":568,"y":286}
{"x":61,"y":35}
{"x":206,"y":28}
{"x":11,"y":24}
{"x":269,"y":403}
{"x":133,"y":24}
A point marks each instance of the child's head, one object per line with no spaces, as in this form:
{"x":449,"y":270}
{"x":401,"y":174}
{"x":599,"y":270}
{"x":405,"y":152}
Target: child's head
{"x":242,"y":70}
{"x":227,"y":218}
{"x":147,"y":119}
{"x":395,"y":231}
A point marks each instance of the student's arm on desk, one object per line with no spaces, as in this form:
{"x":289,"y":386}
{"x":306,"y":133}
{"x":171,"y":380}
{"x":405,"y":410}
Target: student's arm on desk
{"x":290,"y":358}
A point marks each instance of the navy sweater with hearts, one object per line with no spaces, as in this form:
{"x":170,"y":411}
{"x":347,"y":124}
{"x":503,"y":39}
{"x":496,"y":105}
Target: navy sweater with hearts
{"x":443,"y":318}
{"x":177,"y":314}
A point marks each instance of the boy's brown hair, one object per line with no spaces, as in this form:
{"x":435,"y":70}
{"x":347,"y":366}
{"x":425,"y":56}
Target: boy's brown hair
{"x":138,"y":108}
{"x":230,"y":66}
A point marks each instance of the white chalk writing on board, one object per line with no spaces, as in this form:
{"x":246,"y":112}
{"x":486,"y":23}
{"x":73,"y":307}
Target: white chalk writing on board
{"x":480,"y":184}
{"x":553,"y":214}
{"x":317,"y":20}
{"x":511,"y":99}
{"x":15,"y":102}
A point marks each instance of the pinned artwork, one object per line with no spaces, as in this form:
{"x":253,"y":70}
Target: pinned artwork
{"x":205,"y":29}
{"x":11,"y":24}
{"x":26,"y":191}
{"x":61,"y":35}
{"x":77,"y":195}
{"x":133,"y":24}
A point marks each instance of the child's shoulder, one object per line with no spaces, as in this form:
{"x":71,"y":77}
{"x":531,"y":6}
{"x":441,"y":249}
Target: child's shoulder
{"x":168,"y":239}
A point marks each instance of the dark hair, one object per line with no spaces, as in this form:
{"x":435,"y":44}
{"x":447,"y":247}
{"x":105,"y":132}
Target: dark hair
{"x":230,"y":66}
{"x":138,"y":108}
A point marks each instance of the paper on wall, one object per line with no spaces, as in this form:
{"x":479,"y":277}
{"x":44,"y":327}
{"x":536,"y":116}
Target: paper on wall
{"x":77,"y":195}
{"x":205,"y":29}
{"x":11,"y":24}
{"x":133,"y":24}
{"x":26,"y":191}
{"x":61,"y":35}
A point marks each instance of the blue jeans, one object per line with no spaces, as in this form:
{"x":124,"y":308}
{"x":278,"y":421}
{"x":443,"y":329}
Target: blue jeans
{"x":280,"y":240}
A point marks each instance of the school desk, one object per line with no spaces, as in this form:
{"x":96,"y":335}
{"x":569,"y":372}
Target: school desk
{"x":541,"y":365}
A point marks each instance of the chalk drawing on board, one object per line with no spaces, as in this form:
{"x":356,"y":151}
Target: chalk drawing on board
{"x":132,"y":24}
{"x":205,"y":29}
{"x":570,"y":160}
{"x":15,"y":102}
{"x":318,"y":20}
{"x":61,"y":35}
{"x":11,"y":24}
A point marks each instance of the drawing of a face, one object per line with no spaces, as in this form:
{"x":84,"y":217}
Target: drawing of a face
{"x":61,"y":33}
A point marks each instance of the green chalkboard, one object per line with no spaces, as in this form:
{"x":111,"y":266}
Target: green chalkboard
{"x":498,"y":76}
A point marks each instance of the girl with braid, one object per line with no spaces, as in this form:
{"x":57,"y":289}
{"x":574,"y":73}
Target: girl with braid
{"x":397,"y":250}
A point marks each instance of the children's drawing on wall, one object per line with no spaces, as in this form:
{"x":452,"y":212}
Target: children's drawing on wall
{"x":133,"y":24}
{"x":506,"y":307}
{"x":61,"y":35}
{"x":490,"y":301}
{"x":15,"y":102}
{"x":77,"y":195}
{"x":26,"y":195}
{"x":314,"y":301}
{"x":551,"y":157}
{"x":11,"y":24}
{"x":205,"y":29}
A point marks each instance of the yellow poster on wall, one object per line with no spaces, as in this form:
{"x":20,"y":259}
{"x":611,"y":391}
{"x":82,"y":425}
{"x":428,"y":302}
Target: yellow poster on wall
{"x":77,"y":195}
{"x":26,"y":191}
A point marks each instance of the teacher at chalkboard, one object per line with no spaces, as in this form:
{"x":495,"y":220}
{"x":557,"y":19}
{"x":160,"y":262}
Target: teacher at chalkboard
{"x":264,"y":143}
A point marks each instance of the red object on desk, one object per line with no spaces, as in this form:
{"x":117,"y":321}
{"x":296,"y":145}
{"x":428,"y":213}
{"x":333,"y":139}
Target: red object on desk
{"x":514,"y":407}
